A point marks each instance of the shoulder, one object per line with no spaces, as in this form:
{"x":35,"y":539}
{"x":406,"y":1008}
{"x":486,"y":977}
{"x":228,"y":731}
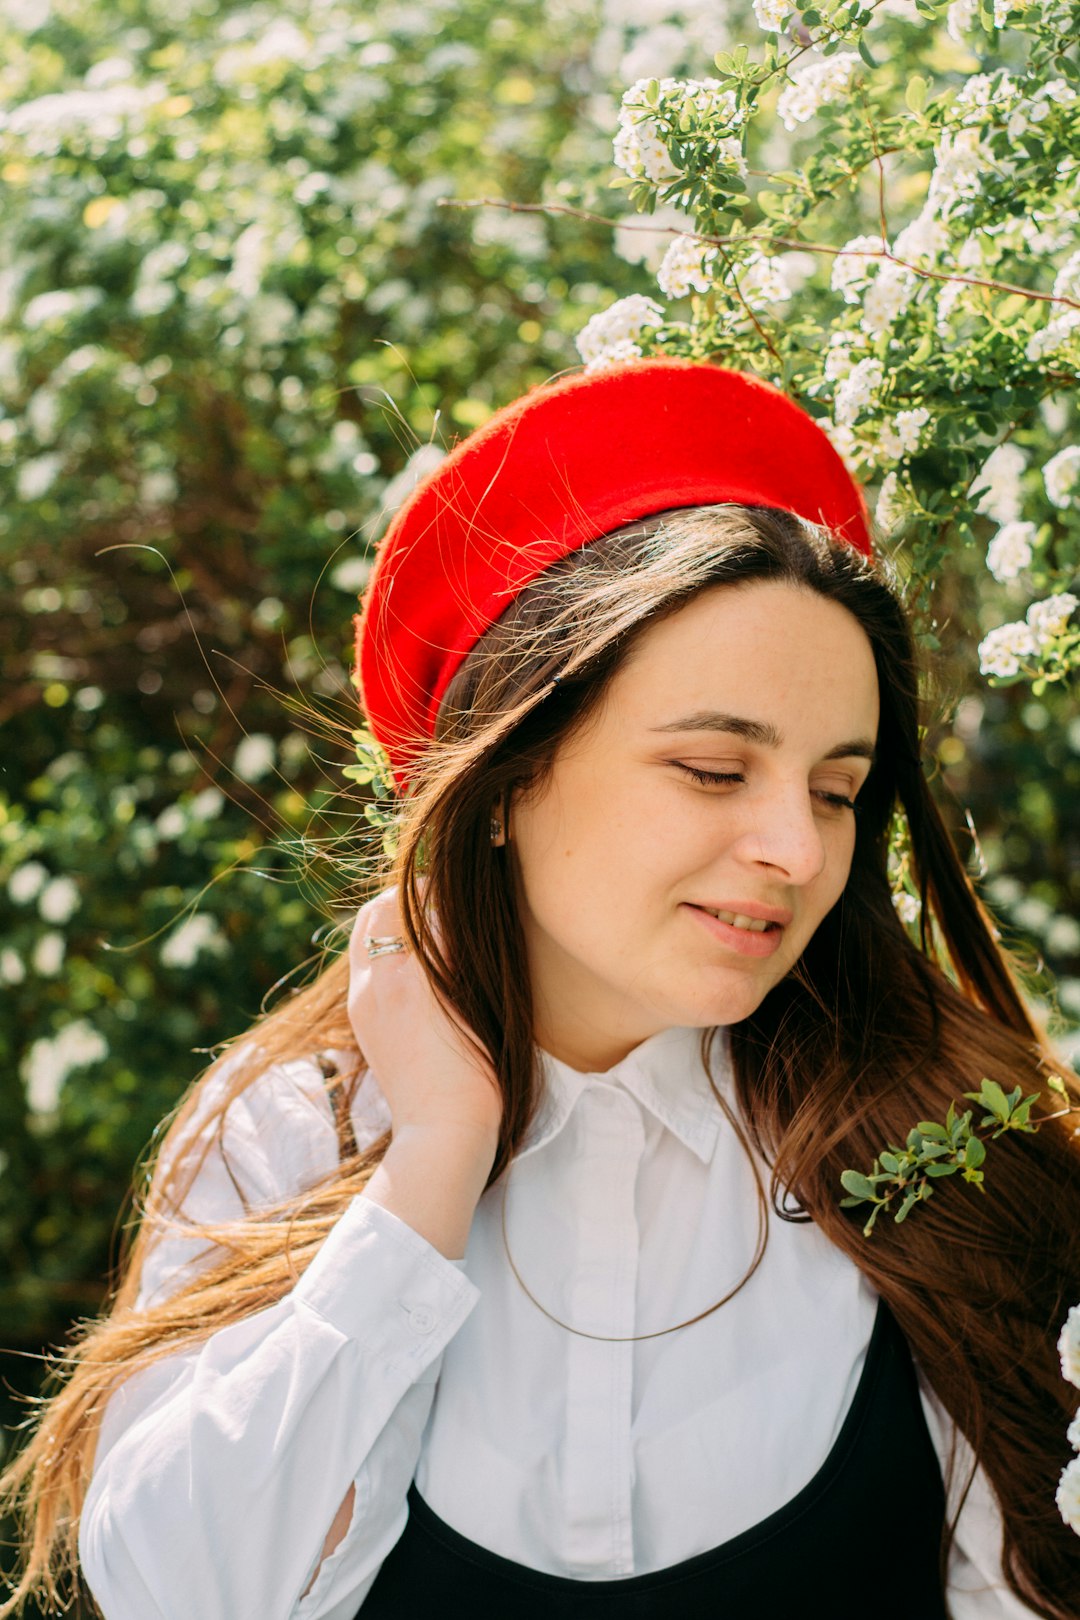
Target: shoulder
{"x":237,"y":1156}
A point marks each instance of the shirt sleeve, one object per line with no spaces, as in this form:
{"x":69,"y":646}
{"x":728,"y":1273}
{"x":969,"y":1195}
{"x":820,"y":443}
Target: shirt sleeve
{"x":220,"y":1469}
{"x":977,"y":1589}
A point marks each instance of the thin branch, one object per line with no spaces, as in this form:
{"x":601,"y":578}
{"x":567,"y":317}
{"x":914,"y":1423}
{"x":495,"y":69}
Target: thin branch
{"x":794,"y":242}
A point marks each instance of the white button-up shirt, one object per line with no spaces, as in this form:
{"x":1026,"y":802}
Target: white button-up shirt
{"x":631,"y":1206}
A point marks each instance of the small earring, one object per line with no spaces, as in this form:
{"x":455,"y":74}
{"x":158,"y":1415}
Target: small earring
{"x":496,"y":830}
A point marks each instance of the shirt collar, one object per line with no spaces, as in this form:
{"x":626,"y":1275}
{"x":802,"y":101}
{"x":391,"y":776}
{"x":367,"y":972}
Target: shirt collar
{"x":666,"y":1075}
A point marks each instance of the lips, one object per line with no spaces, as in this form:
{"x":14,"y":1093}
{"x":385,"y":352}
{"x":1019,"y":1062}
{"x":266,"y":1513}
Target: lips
{"x":735,"y":919}
{"x":746,"y":913}
{"x":747,"y":936}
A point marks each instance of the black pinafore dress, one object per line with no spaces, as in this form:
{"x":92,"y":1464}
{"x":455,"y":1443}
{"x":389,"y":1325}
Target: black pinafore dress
{"x":865,"y":1531}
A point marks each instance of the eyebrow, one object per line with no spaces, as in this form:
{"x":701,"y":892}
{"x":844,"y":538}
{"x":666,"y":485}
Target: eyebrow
{"x":760,"y":731}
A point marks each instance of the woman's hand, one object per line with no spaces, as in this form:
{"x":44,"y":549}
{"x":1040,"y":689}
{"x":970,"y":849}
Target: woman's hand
{"x":431,"y":1074}
{"x":442,"y":1093}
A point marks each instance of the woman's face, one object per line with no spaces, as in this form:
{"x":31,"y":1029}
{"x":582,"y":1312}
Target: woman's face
{"x":625,"y":851}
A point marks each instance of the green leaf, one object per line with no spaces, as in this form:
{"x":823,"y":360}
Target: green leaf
{"x":936,"y":1133}
{"x":991,"y":1096}
{"x":940,"y":1169}
{"x":860,"y":1187}
{"x":1058,"y":1086}
{"x":974,"y":1152}
{"x":915,"y":94}
{"x":867,"y":55}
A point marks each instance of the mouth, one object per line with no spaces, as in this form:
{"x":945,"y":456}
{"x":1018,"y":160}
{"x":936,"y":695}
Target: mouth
{"x":737,"y":931}
{"x":737,"y":919}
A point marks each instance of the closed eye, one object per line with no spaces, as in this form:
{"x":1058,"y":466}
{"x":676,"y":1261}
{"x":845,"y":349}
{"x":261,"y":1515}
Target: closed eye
{"x":837,"y":801}
{"x":711,"y":776}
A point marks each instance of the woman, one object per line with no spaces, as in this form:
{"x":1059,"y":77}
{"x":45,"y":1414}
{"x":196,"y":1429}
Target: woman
{"x":506,"y":1262}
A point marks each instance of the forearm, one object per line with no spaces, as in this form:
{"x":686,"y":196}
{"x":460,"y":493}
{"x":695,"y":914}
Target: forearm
{"x":220,"y":1474}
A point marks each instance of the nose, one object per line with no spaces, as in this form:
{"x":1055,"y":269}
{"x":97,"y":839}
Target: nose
{"x":783,"y":833}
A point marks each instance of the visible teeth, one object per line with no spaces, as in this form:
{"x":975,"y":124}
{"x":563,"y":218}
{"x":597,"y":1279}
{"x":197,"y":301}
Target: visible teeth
{"x":756,"y":925}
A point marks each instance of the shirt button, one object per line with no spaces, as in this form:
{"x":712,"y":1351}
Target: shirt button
{"x":422,"y":1319}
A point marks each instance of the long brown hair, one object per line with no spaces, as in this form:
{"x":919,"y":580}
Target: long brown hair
{"x":869,"y":1034}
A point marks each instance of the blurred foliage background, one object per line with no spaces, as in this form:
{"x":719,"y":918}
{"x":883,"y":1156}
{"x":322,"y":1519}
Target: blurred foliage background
{"x":236,"y":324}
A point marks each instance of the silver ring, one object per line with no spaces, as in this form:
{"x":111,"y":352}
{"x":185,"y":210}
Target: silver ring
{"x":388,"y":946}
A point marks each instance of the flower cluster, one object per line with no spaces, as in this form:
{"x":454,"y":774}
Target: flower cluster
{"x":640,"y":147}
{"x":999,"y":481}
{"x":685,"y":267}
{"x":1005,"y":648}
{"x":772,"y":15}
{"x":50,"y":1060}
{"x":1061,"y":476}
{"x":613,"y":336}
{"x":1068,"y":1491}
{"x":813,"y":87}
{"x":1011,"y":550}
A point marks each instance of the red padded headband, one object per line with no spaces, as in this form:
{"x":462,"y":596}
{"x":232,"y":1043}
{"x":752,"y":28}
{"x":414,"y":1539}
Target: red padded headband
{"x":564,"y":464}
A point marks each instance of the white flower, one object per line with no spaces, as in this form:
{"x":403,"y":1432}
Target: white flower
{"x":37,"y":476}
{"x":1010,"y":550}
{"x":843,"y":441}
{"x":890,"y":506}
{"x":813,"y":87}
{"x":960,"y":17}
{"x":1000,"y":652}
{"x":47,"y":956}
{"x":684,"y":267}
{"x":1072,"y":1433}
{"x":638,"y":149}
{"x":772,"y":14}
{"x":858,"y":390}
{"x":171,"y":823}
{"x":763,"y":282}
{"x":900,"y":437}
{"x":194,"y":936}
{"x":50,"y":1060}
{"x":1068,"y":1494}
{"x":839,"y":360}
{"x":59,"y":900}
{"x":254,"y":757}
{"x":1069,"y":1347}
{"x":63,"y":306}
{"x":351,"y":575}
{"x":853,"y":264}
{"x":1049,"y":618}
{"x":924,"y":240}
{"x":207,"y":804}
{"x":907,"y":907}
{"x":889,"y":294}
{"x":1061,"y":476}
{"x":1000,"y":474}
{"x":1058,"y":331}
{"x":611,"y":337}
{"x":26,"y":882}
{"x":12,"y":966}
{"x":961,"y":160}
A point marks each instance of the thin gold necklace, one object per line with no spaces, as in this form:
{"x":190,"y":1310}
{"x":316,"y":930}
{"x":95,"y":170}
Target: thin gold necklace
{"x":634,"y":1338}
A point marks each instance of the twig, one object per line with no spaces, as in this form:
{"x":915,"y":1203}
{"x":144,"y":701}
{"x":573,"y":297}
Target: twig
{"x":796,"y":243}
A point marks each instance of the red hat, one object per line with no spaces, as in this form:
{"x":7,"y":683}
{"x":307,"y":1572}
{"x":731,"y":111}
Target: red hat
{"x":564,"y":464}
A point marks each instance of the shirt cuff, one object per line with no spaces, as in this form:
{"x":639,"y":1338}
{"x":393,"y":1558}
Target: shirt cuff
{"x":379,"y":1282}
